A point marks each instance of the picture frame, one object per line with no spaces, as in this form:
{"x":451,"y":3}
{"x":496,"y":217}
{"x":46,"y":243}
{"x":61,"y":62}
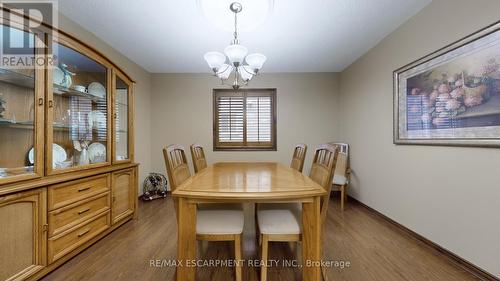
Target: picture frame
{"x":451,"y":96}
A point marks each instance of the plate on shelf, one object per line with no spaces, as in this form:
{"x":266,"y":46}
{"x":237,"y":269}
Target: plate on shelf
{"x":80,"y":88}
{"x":63,"y":164}
{"x":58,"y":76}
{"x":58,"y":155}
{"x":97,"y":152}
{"x":97,"y":120}
{"x":96,"y":89}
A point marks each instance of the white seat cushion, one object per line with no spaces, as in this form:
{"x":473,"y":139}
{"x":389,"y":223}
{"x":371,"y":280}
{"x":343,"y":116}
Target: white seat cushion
{"x":219,"y":222}
{"x":339,"y":180}
{"x":279,"y":218}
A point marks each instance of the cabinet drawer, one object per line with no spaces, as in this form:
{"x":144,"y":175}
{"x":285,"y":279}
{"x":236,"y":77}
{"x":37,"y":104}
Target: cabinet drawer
{"x":71,"y":215}
{"x":64,"y":243}
{"x":67,"y":193}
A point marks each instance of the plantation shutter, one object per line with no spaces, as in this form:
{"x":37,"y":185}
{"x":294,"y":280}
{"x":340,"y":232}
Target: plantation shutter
{"x":259,"y":119}
{"x":244,"y":119}
{"x":231,"y":118}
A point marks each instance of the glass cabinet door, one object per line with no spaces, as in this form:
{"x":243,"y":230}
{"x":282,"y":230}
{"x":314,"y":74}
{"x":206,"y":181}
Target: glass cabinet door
{"x":121,"y":116}
{"x":78,"y":110}
{"x":21,"y":107}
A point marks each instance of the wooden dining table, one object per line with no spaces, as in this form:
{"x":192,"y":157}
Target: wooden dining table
{"x":257,"y":182}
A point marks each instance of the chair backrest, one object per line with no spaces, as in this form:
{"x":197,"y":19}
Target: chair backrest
{"x":199,"y":160}
{"x":324,"y":162}
{"x":343,"y":159}
{"x":177,"y":166}
{"x":299,"y":155}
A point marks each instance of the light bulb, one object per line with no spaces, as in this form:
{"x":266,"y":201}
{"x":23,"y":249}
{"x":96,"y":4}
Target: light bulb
{"x":224,"y":71}
{"x":256,"y":61}
{"x":236,"y":53}
{"x":215,"y":60}
{"x":246,"y":72}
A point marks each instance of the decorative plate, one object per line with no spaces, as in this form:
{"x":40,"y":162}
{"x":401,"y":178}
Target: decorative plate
{"x":97,"y":120}
{"x":97,"y":152}
{"x":96,"y":89}
{"x":58,"y":155}
{"x":58,"y":76}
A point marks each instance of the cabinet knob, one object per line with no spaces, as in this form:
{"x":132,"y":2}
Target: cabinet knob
{"x":40,"y":101}
{"x":51,"y":104}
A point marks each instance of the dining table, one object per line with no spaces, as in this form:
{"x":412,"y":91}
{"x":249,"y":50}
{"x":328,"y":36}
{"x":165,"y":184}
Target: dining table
{"x":249,"y":182}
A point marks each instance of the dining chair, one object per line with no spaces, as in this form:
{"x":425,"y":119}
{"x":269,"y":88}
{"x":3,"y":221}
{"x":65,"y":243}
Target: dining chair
{"x":211,"y":224}
{"x":282,"y":222}
{"x":198,"y":155}
{"x":342,"y":172}
{"x":299,"y":155}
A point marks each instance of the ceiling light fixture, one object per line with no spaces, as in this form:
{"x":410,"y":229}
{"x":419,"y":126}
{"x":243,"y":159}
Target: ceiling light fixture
{"x":236,"y":57}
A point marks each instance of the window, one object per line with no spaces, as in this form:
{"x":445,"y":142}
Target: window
{"x":245,"y":119}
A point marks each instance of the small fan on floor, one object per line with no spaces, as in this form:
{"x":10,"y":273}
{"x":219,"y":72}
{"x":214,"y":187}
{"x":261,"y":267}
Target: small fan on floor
{"x":154,"y":187}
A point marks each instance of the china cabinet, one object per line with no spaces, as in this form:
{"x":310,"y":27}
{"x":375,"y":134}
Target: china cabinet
{"x":78,"y":108}
{"x":122,"y":101}
{"x":67,"y":171}
{"x":21,"y":116}
{"x":123,"y":199}
{"x":22,"y":238}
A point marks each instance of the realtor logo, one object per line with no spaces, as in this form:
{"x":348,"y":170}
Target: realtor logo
{"x":22,"y":32}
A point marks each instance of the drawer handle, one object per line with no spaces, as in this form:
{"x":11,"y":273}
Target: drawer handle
{"x":83,"y":233}
{"x":83,"y":189}
{"x":83,"y":211}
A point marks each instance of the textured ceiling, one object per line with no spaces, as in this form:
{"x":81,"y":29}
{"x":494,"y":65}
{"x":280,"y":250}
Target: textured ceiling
{"x":298,"y":36}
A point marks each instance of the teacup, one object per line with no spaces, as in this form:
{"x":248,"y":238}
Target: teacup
{"x":80,"y":88}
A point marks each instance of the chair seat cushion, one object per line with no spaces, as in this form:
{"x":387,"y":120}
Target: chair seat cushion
{"x":339,"y":180}
{"x":279,"y":218}
{"x":219,"y":221}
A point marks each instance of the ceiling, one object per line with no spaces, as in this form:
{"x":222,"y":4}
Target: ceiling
{"x":167,"y":36}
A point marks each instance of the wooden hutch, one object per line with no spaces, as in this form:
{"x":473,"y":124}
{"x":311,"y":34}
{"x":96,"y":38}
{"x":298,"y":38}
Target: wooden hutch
{"x":67,"y":171}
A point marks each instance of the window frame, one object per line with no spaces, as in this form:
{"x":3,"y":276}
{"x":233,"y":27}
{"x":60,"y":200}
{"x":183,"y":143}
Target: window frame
{"x":244,"y":145}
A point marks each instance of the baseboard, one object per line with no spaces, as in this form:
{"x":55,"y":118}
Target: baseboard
{"x":466,"y":265}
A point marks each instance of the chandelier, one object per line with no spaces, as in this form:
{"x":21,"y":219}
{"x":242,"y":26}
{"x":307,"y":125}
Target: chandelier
{"x":236,"y":56}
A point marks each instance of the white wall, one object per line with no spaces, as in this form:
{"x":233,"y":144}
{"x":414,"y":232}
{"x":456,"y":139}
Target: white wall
{"x":449,"y":195}
{"x":142,"y":91}
{"x":307,"y":106}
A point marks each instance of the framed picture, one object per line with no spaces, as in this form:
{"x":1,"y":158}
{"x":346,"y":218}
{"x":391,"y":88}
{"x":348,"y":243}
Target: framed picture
{"x":452,"y":96}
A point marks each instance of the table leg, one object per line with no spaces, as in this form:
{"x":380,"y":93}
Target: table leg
{"x":186,"y":237}
{"x":311,"y":240}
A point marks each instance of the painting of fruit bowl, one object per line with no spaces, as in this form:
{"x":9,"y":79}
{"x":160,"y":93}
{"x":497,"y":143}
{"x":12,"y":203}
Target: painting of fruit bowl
{"x":451,"y":97}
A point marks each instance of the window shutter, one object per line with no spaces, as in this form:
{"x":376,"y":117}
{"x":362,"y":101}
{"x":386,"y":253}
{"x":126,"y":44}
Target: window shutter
{"x":259,"y":119}
{"x":230,"y":121}
{"x":245,"y":119}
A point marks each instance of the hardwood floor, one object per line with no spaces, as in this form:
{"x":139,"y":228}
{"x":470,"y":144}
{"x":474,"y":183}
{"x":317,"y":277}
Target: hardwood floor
{"x":375,"y":249}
